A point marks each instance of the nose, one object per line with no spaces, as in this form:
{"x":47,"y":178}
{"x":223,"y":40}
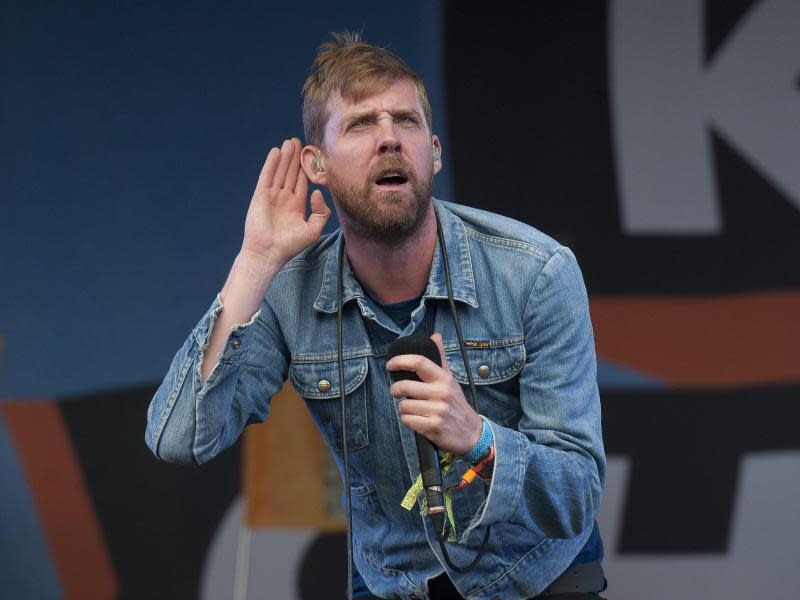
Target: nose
{"x":389,"y":141}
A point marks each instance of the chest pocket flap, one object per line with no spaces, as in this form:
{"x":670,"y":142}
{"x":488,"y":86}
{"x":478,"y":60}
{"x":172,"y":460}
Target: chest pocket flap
{"x":320,"y":380}
{"x":491,"y":362}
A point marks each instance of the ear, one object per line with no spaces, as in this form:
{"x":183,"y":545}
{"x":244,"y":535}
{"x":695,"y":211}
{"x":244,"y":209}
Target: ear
{"x":313,"y":164}
{"x":437,"y":153}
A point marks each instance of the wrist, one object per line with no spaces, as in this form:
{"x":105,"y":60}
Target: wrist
{"x":258,"y":267}
{"x":481,"y":447}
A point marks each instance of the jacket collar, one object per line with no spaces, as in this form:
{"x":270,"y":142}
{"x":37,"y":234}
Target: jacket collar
{"x":458,"y":254}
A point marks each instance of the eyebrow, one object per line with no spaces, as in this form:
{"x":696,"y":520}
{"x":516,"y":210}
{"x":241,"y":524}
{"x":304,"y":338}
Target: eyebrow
{"x":372,"y":115}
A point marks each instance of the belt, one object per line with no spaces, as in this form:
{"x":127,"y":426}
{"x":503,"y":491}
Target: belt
{"x":578,"y":579}
{"x":586,"y":578}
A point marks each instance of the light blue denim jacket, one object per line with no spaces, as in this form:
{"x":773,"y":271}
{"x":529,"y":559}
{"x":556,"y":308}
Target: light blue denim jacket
{"x":524,"y":313}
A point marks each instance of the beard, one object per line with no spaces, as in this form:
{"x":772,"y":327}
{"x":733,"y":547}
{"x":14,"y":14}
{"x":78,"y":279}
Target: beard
{"x":384,"y":217}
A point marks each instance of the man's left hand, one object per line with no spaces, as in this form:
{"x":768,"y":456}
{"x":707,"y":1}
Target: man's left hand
{"x":436,"y":406}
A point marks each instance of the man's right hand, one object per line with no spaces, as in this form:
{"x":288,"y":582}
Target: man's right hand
{"x":276,"y":228}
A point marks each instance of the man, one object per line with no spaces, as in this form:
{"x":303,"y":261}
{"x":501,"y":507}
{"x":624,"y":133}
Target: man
{"x":522,"y":305}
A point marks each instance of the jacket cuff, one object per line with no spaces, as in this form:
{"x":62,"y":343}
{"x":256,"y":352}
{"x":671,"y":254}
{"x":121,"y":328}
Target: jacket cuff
{"x":507,"y":480}
{"x":235,"y":348}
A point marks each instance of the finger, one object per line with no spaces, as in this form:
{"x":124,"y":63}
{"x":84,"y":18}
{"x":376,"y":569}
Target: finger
{"x":422,"y":425}
{"x":268,"y":170}
{"x":294,"y":167}
{"x":418,"y":390}
{"x":301,"y":185}
{"x":420,"y":408}
{"x":425,"y":369}
{"x":437,"y":339}
{"x":287,"y":149}
{"x":319,"y":210}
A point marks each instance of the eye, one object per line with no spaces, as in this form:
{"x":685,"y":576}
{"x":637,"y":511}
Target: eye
{"x":358,"y":124}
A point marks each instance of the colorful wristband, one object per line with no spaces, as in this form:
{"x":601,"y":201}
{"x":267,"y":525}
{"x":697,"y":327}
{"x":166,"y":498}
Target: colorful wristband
{"x":482,"y":447}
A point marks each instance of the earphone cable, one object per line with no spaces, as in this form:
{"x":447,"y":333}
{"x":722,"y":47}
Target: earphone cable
{"x":340,"y":344}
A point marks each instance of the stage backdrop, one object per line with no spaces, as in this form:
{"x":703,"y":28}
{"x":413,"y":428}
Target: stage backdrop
{"x":659,"y":140}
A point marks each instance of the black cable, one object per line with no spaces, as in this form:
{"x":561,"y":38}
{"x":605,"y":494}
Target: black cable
{"x":340,"y":344}
{"x":473,"y":400}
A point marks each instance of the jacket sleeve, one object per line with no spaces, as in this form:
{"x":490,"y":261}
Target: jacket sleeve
{"x":190,"y":421}
{"x":549,"y":472}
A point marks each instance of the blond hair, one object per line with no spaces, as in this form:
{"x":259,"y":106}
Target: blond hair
{"x":356,"y":70}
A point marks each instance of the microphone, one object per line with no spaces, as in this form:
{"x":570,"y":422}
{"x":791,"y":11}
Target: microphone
{"x":427,"y":452}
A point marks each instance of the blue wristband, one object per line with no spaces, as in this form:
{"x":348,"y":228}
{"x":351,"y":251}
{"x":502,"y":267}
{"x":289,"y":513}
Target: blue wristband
{"x":482,"y":447}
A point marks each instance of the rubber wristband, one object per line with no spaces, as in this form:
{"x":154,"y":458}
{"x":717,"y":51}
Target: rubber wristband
{"x":482,"y":447}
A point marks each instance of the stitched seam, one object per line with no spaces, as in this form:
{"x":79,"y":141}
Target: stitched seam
{"x":535,"y":283}
{"x":504,"y":375}
{"x":467,"y":256}
{"x":388,"y":571}
{"x":331,"y":356}
{"x":512,"y":567}
{"x":383,"y":350}
{"x":502,"y":343}
{"x":508,"y":243}
{"x":518,"y":482}
{"x":358,"y":379}
{"x":170,"y":405}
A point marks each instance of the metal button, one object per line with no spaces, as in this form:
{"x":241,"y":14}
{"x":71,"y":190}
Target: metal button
{"x":236,"y":344}
{"x":324,"y":385}
{"x":484,"y":371}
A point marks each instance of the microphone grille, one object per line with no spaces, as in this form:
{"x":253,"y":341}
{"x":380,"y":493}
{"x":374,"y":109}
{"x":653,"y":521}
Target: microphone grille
{"x":416,"y":344}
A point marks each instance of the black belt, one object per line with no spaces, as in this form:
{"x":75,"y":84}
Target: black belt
{"x":585,"y":578}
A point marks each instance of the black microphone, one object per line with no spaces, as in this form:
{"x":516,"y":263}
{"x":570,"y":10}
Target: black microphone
{"x":427,"y":452}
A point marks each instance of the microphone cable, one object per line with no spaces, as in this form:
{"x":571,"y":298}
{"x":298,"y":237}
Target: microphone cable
{"x":340,"y":344}
{"x":473,"y":396}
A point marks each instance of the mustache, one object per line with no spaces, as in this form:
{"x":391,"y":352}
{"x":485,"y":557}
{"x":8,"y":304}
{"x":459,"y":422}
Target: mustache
{"x":391,"y":162}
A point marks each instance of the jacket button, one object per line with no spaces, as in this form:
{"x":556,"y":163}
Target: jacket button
{"x":235,"y":344}
{"x":324,"y":385}
{"x":484,"y":371}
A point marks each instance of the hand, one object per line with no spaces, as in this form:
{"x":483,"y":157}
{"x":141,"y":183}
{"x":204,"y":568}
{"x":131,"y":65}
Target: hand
{"x":436,"y":406}
{"x":276,"y":228}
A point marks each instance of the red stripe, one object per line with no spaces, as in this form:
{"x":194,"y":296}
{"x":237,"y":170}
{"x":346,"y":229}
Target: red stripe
{"x":62,"y":501}
{"x":711,"y":341}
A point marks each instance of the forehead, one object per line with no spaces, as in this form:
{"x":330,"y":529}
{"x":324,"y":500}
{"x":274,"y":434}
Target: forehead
{"x":399,"y":95}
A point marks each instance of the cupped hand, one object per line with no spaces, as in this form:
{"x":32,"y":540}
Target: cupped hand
{"x":276,"y":227}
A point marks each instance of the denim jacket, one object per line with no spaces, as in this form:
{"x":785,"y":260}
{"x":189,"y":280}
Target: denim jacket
{"x":525,"y":318}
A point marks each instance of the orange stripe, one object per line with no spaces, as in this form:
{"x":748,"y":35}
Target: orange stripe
{"x":62,"y":500}
{"x":712,"y":341}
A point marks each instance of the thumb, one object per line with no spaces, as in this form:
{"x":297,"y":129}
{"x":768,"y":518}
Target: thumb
{"x":437,"y":339}
{"x":319,"y":210}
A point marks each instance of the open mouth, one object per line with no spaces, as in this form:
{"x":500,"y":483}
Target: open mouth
{"x":391,"y":177}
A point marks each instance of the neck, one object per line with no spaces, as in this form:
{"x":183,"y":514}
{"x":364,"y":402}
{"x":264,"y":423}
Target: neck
{"x":396,"y":272}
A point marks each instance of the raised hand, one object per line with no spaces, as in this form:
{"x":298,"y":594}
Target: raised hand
{"x":276,"y":228}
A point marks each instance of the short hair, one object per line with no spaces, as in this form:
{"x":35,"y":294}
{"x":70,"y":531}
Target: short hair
{"x":356,"y":70}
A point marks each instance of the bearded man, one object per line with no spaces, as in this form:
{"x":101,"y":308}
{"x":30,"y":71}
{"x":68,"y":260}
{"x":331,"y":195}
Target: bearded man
{"x":519,"y":296}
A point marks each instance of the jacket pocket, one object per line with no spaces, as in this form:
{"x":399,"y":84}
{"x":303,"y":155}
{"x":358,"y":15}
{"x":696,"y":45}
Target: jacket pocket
{"x":318,"y":383}
{"x":495,"y":367}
